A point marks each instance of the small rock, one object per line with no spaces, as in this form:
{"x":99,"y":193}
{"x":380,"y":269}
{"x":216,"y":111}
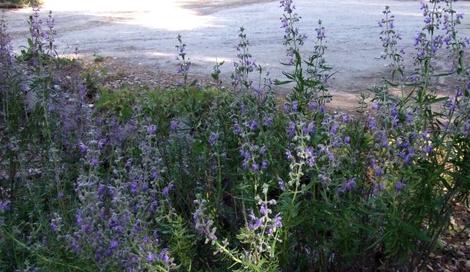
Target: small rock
{"x":460,"y":254}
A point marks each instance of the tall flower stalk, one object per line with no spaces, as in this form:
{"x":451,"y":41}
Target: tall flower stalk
{"x":183,"y":62}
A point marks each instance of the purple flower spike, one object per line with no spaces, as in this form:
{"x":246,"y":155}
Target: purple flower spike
{"x":151,"y":257}
{"x":152,"y":129}
{"x":399,"y":186}
{"x":348,"y":185}
{"x":174,"y":124}
{"x":82,"y":147}
{"x":291,"y":129}
{"x":213,"y":138}
{"x":253,"y":125}
{"x":164,"y":257}
{"x":94,"y":162}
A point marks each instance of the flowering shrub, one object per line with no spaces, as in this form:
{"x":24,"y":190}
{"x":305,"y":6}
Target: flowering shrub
{"x":215,"y":178}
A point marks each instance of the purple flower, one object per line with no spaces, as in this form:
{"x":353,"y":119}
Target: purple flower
{"x":82,"y":147}
{"x":277,"y":222}
{"x":275,"y":225}
{"x":427,"y":149}
{"x":102,"y":143}
{"x":295,"y":106}
{"x":320,"y":30}
{"x":134,"y":187}
{"x":253,"y":125}
{"x":174,"y":125}
{"x":309,"y":128}
{"x":151,"y":257}
{"x":264,"y":209}
{"x":291,"y":129}
{"x":4,"y":205}
{"x":203,"y":224}
{"x":264,"y":164}
{"x":286,"y":106}
{"x":55,"y":223}
{"x":348,"y":185}
{"x":154,"y":174}
{"x":255,"y":222}
{"x":313,"y":105}
{"x":409,"y":117}
{"x":94,"y":162}
{"x":334,"y":128}
{"x":263,"y":150}
{"x":268,"y":121}
{"x":345,"y":118}
{"x":378,"y":171}
{"x":113,"y":245}
{"x":237,"y":130}
{"x":183,"y":63}
{"x":399,"y":186}
{"x":394,"y":111}
{"x":382,"y":139}
{"x":287,"y":5}
{"x":213,"y":138}
{"x":244,"y":65}
{"x":378,"y":187}
{"x":371,"y":123}
{"x":466,"y":129}
{"x":167,"y":189}
{"x":293,"y":39}
{"x":152,"y":129}
{"x":164,"y":257}
{"x":310,"y":156}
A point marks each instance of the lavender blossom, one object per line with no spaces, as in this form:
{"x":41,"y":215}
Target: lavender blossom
{"x":152,"y":129}
{"x":291,"y":129}
{"x":348,"y":185}
{"x":174,"y":124}
{"x":255,"y":222}
{"x":203,"y":224}
{"x":213,"y":138}
{"x":252,"y":125}
{"x":399,"y":186}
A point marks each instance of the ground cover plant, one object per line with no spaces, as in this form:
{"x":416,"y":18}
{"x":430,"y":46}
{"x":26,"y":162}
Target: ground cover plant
{"x":233,"y":179}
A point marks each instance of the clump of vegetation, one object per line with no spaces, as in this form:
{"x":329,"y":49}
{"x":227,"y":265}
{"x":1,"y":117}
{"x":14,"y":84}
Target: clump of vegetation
{"x":229,"y":179}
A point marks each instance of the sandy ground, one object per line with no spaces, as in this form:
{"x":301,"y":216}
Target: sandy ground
{"x":143,"y":32}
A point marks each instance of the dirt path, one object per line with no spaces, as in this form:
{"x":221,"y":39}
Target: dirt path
{"x":142,"y":32}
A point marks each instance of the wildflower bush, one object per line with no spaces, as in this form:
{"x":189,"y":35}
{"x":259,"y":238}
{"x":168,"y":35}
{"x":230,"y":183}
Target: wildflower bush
{"x":233,"y":178}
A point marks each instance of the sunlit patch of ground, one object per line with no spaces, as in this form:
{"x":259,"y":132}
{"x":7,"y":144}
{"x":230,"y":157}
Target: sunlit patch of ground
{"x":169,"y":15}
